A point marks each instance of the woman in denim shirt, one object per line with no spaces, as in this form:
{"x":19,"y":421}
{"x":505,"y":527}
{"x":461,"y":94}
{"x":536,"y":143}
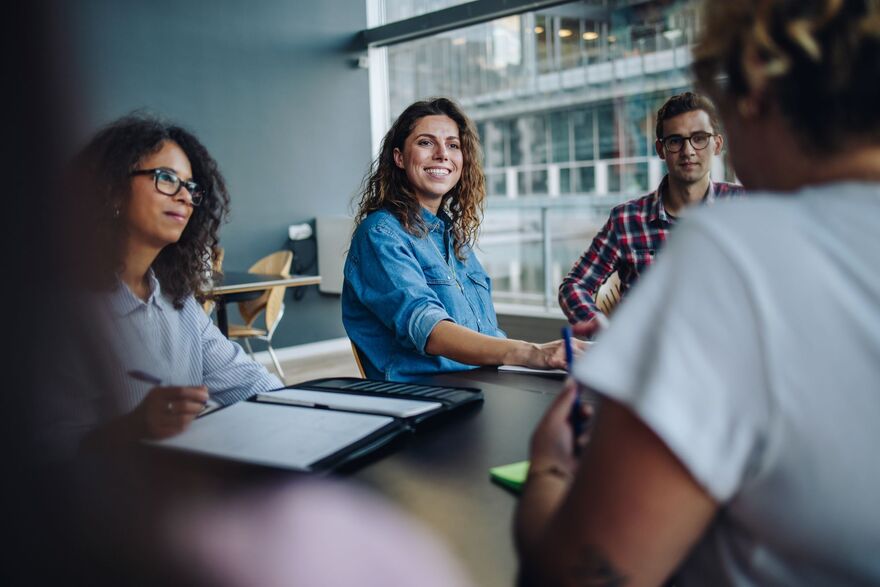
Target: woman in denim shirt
{"x":416,"y":299}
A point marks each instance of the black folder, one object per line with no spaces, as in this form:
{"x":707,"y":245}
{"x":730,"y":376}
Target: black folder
{"x":317,"y":437}
{"x":447,"y":398}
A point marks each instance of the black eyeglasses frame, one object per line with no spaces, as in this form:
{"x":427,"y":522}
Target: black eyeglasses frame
{"x":689,"y":138}
{"x":196,"y":193}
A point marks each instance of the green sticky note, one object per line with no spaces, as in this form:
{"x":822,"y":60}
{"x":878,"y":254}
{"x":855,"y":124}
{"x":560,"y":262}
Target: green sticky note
{"x":512,"y":476}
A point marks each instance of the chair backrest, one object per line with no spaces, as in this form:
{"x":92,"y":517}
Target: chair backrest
{"x":272,"y":300}
{"x":217,"y":265}
{"x":357,"y":358}
{"x":609,"y":294}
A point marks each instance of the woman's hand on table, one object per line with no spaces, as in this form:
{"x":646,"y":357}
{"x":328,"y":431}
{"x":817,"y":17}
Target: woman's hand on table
{"x":550,"y":355}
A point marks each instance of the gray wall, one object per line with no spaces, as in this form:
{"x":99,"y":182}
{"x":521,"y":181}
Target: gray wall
{"x":270,"y":87}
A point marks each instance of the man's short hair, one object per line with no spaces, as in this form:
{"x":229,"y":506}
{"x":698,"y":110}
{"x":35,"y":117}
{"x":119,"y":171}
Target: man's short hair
{"x":686,"y":102}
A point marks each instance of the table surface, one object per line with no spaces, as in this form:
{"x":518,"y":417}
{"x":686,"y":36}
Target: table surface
{"x":440,"y":475}
{"x":229,"y":282}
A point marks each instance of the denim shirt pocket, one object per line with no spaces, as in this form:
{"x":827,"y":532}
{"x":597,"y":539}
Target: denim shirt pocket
{"x":481,"y":284}
{"x":443,"y":284}
{"x":437,"y":276}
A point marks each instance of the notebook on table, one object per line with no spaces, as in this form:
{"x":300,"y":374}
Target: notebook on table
{"x":285,"y":436}
{"x":316,"y":425}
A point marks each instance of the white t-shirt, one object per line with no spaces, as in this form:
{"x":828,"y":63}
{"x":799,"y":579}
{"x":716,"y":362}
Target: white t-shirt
{"x":752,"y":348}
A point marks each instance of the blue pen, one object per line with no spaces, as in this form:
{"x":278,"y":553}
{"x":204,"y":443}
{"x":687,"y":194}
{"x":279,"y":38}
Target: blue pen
{"x":575,"y":418}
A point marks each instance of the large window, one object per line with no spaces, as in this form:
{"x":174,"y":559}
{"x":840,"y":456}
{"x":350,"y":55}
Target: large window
{"x":394,"y":10}
{"x":564,"y":99}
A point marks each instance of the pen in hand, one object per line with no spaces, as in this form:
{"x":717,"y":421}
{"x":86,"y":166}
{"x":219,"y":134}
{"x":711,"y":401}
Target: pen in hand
{"x":149,"y":378}
{"x":576,"y":417}
{"x":145,"y":377}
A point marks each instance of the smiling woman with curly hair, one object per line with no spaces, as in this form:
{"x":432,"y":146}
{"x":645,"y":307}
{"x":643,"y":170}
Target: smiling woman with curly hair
{"x":416,"y":299}
{"x":158,"y":199}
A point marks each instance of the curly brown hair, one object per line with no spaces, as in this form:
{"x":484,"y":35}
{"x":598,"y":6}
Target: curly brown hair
{"x":103,"y":175}
{"x":387,"y":187}
{"x":819,"y":60}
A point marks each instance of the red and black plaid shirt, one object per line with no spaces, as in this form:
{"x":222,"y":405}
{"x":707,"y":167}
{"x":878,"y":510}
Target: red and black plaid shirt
{"x":635,"y":231}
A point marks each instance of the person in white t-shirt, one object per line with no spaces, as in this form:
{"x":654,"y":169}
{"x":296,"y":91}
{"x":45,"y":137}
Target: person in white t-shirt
{"x":736,"y":439}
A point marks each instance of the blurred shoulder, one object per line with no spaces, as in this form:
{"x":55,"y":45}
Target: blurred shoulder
{"x":724,"y":189}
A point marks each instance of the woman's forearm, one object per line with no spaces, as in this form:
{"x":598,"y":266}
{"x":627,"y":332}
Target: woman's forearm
{"x":467,"y":346}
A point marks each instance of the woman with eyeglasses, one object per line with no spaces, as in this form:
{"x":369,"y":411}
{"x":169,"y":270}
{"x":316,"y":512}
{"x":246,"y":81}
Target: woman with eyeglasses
{"x":416,"y":300}
{"x":736,"y":443}
{"x":159,"y":199}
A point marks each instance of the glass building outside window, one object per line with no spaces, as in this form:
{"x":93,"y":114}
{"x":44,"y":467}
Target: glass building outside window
{"x":564,"y":100}
{"x":394,"y":10}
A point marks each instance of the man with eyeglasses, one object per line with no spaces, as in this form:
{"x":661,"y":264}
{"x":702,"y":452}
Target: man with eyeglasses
{"x":687,"y":139}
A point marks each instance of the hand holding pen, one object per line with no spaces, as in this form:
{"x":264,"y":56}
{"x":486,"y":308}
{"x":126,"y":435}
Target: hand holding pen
{"x":562,"y":432}
{"x":554,"y":448}
{"x":168,"y":410}
{"x":578,"y":415}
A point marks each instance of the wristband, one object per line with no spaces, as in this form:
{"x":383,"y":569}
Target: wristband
{"x":552,"y":470}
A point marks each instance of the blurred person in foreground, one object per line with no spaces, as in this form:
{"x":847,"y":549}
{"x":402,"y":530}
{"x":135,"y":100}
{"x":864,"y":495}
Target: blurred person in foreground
{"x":109,"y":518}
{"x":736,"y":441}
{"x":688,"y":138}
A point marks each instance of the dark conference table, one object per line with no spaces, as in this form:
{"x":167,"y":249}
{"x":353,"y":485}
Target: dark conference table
{"x":440,"y":475}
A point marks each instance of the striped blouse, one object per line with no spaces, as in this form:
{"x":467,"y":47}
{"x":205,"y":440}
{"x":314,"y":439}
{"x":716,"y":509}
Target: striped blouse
{"x":181,"y":347}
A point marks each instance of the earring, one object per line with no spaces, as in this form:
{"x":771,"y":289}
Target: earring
{"x":116,"y":212}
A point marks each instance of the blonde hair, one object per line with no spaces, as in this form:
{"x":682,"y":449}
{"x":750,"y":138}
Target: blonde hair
{"x":387,"y":187}
{"x":819,"y":60}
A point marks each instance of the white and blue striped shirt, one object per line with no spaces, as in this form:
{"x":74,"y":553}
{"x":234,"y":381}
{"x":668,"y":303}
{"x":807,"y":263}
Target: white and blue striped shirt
{"x":181,"y":347}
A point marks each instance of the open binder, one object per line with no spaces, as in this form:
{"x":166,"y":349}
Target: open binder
{"x":317,"y":425}
{"x":412,"y":401}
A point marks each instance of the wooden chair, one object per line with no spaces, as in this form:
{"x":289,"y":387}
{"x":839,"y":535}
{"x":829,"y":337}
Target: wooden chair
{"x":357,"y":359}
{"x":270,"y":305}
{"x":608,"y":295}
{"x":217,"y":267}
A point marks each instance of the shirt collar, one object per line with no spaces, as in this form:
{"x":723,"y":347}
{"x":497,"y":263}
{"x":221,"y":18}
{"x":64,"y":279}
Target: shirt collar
{"x":123,"y":301}
{"x":436,"y":223}
{"x":658,"y":210}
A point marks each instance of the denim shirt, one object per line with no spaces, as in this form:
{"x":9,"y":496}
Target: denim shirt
{"x":398,"y":287}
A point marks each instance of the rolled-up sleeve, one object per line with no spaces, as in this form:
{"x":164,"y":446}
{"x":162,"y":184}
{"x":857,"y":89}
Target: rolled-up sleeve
{"x":577,"y":293}
{"x":387,"y":278}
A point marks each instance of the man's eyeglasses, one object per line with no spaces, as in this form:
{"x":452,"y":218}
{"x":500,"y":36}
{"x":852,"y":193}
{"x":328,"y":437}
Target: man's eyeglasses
{"x":698,"y":140}
{"x":169,"y":184}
